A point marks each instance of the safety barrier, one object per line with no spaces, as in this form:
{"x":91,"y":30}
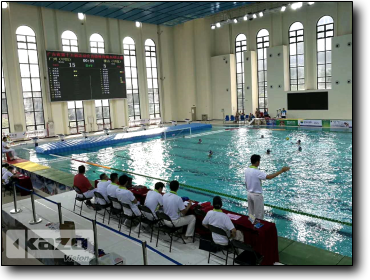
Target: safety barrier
{"x":96,"y":261}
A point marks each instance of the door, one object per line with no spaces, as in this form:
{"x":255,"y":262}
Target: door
{"x":193,"y":113}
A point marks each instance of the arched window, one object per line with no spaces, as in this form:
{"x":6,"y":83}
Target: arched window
{"x":5,"y":129}
{"x":240,"y":48}
{"x":132,"y":79}
{"x":324,"y":35}
{"x":263,"y":42}
{"x":97,"y":43}
{"x":296,"y":56}
{"x":102,"y":108}
{"x":69,"y":41}
{"x":152,"y":78}
{"x":30,"y":76}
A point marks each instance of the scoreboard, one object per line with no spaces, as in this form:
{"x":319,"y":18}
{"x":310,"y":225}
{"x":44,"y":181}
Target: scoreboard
{"x":85,"y":76}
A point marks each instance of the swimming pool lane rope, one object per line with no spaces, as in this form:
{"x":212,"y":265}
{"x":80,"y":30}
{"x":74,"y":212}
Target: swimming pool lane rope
{"x":213,"y":192}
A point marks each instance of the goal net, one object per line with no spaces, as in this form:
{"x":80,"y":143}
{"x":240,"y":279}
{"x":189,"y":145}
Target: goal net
{"x":174,"y":134}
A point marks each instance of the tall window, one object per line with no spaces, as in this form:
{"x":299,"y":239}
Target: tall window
{"x":101,"y":106}
{"x":97,"y":43}
{"x":75,"y":108}
{"x":4,"y":107}
{"x":263,"y":42}
{"x":132,"y":85}
{"x":102,"y":114}
{"x":30,"y":76}
{"x":152,"y":77}
{"x":325,"y":33}
{"x":76,"y":117}
{"x":240,"y":48}
{"x":296,"y":56}
{"x":69,"y":41}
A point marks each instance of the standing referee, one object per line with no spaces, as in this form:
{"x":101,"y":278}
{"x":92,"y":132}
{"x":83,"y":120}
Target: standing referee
{"x":253,"y":177}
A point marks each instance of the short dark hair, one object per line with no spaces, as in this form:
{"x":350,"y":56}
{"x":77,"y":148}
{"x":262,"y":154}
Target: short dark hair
{"x":102,"y":176}
{"x":255,"y":159}
{"x":113,"y":176}
{"x":174,"y":185}
{"x":217,"y":202}
{"x":158,"y":185}
{"x":81,"y":169}
{"x":123,"y":180}
{"x":4,"y":138}
{"x":10,"y":168}
{"x":6,"y":165}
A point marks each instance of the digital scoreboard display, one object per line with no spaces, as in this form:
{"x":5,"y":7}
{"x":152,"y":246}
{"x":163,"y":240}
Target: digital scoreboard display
{"x":85,"y":76}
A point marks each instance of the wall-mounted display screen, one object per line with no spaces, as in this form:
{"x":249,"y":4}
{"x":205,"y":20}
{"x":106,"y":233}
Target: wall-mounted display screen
{"x":317,"y":100}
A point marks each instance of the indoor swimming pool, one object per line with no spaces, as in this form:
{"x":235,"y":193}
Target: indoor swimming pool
{"x":319,"y":182}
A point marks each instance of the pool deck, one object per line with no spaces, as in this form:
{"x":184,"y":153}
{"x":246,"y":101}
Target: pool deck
{"x":290,"y":252}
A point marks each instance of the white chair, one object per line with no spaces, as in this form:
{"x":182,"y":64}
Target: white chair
{"x":174,"y":123}
{"x":187,"y":121}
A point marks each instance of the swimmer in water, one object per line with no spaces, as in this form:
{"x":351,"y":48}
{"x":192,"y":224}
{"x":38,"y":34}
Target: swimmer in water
{"x":299,"y":142}
{"x":200,"y":141}
{"x":300,"y":149}
{"x":210,"y":153}
{"x":268,"y":151}
{"x":262,"y":136}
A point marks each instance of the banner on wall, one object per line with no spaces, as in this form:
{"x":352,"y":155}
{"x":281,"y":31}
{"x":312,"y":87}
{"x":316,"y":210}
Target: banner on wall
{"x":336,"y":123}
{"x":17,"y":135}
{"x":311,"y":123}
{"x":271,"y":122}
{"x":291,"y":122}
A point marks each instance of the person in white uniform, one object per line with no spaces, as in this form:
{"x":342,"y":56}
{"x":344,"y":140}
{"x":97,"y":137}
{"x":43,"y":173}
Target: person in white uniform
{"x":174,"y":207}
{"x":253,"y":178}
{"x":5,"y":148}
{"x":126,"y":196}
{"x":219,"y":219}
{"x":102,"y":189}
{"x":154,"y":200}
{"x":4,"y":168}
{"x":113,"y":185}
{"x":8,"y":175}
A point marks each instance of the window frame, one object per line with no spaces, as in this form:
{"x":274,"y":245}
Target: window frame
{"x":326,"y":83}
{"x":33,"y":98}
{"x":97,"y":44}
{"x":77,"y":126}
{"x":5,"y":130}
{"x":151,"y":52}
{"x":296,"y":67}
{"x":134,"y":91}
{"x":107,"y":123}
{"x":240,"y":86}
{"x":265,"y":96}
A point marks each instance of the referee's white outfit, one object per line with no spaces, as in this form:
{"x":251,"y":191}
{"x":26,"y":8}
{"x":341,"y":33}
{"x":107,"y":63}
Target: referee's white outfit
{"x":253,"y":177}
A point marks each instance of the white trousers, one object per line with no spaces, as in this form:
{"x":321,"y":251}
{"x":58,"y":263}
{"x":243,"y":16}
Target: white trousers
{"x":239,"y":236}
{"x":256,"y":205}
{"x":88,"y":194}
{"x":183,"y":221}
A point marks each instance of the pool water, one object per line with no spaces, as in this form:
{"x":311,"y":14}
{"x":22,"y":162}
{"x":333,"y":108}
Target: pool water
{"x":319,"y":182}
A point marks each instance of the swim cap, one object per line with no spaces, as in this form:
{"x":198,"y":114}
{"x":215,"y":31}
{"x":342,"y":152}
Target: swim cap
{"x":287,"y":138}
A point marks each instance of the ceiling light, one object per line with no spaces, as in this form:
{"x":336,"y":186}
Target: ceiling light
{"x":81,"y":16}
{"x":138,"y":24}
{"x":218,"y":25}
{"x":296,"y":5}
{"x":245,"y":17}
{"x":254,"y":16}
{"x":213,"y":27}
{"x":311,"y":3}
{"x":283,"y":8}
{"x":235,"y":20}
{"x":261,"y":14}
{"x":4,"y":5}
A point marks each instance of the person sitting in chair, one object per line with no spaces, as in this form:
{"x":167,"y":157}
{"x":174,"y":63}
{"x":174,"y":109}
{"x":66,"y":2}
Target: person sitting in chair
{"x":8,"y":176}
{"x":4,"y":168}
{"x":219,"y":219}
{"x":127,"y":197}
{"x":173,"y":206}
{"x":102,"y":188}
{"x":154,"y":199}
{"x":5,"y":148}
{"x":81,"y":182}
